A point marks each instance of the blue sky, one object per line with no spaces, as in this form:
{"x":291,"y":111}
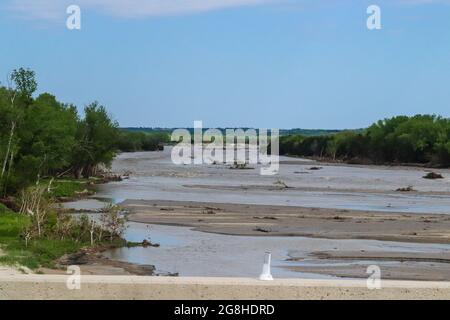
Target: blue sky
{"x":259,"y":63}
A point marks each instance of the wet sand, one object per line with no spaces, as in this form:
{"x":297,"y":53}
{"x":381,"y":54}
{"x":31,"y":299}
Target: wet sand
{"x":265,"y":220}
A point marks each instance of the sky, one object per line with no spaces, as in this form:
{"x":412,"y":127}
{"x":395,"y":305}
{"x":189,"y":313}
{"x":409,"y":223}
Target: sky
{"x":236,"y":63}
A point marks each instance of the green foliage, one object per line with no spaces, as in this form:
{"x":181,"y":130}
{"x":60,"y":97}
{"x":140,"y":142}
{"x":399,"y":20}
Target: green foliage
{"x":62,"y":234}
{"x":96,"y":140}
{"x":38,"y":253}
{"x":41,"y":140}
{"x":64,"y":188}
{"x":417,"y":139}
{"x":24,"y":80}
{"x":47,"y":138}
{"x":43,"y":137}
{"x":131,"y":141}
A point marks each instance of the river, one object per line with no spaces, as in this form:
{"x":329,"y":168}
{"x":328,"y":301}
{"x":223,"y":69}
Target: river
{"x":194,"y":253}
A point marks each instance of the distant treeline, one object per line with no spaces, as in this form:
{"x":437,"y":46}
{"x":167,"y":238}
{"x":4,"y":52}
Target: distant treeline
{"x":131,"y":141}
{"x":283,"y":132}
{"x":308,"y":132}
{"x":421,"y":139}
{"x":148,"y":130}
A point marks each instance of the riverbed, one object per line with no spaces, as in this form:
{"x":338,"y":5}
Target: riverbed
{"x":190,"y":251}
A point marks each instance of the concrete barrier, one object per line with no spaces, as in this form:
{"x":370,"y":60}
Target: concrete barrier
{"x":172,"y":288}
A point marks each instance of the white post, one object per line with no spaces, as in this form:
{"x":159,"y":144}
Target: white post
{"x":265,"y":275}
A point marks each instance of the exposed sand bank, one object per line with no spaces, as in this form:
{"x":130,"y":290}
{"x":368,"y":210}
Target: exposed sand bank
{"x":264,"y":220}
{"x":393,"y":265}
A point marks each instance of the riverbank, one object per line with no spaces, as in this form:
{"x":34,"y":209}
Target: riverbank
{"x":170,"y":288}
{"x":91,"y":261}
{"x":60,"y":240}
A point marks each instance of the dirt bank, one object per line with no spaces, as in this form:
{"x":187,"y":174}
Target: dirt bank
{"x":92,"y":262}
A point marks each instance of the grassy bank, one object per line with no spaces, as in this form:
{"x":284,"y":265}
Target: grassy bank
{"x":70,"y":188}
{"x":39,"y":252}
{"x":67,"y":188}
{"x":61,"y":233}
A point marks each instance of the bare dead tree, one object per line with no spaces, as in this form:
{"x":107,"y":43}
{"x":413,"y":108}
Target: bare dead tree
{"x":35,"y":205}
{"x":28,"y":232}
{"x":112,"y":221}
{"x":11,"y":132}
{"x":64,"y":225}
{"x":92,"y":232}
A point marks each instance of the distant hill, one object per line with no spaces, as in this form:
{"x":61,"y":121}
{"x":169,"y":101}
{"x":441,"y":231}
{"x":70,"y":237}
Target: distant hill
{"x":144,"y":129}
{"x":283,"y":132}
{"x":308,"y":132}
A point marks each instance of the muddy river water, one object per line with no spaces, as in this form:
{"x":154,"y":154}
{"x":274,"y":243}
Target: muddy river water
{"x":194,"y":253}
{"x":155,"y":177}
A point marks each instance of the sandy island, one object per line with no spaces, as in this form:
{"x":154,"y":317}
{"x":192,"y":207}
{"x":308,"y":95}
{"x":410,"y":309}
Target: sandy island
{"x":265,"y":220}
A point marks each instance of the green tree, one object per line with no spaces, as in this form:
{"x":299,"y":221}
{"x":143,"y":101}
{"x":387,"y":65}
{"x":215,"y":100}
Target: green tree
{"x":25,"y":82}
{"x":47,"y":142}
{"x":401,"y":139}
{"x":19,"y":96}
{"x":96,"y":141}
